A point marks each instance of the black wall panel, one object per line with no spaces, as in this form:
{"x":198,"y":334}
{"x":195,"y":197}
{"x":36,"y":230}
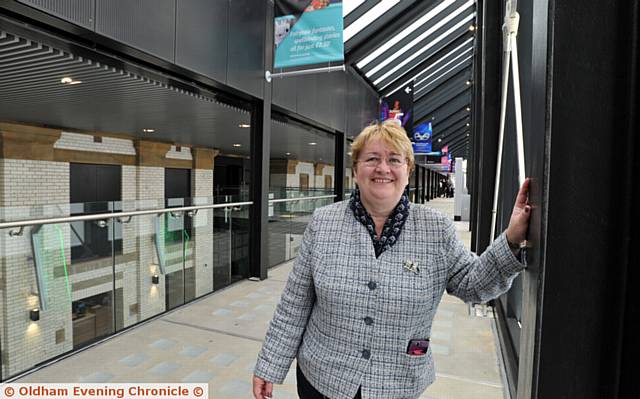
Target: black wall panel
{"x":285,"y":92}
{"x":80,"y":12}
{"x":148,"y":25}
{"x":307,"y":96}
{"x":338,"y":100}
{"x":245,"y":54}
{"x":201,"y":36}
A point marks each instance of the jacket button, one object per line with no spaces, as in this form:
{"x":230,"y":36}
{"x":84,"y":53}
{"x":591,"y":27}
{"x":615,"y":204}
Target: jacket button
{"x":366,"y":354}
{"x":368,"y":321}
{"x":372,"y":285}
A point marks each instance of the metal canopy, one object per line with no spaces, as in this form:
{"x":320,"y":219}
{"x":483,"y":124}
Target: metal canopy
{"x":430,"y":43}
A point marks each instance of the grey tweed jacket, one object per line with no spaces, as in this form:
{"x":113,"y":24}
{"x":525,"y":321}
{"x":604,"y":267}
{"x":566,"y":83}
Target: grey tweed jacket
{"x":348,"y":317}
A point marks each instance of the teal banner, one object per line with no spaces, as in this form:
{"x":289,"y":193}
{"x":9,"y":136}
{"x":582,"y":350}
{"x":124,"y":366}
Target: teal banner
{"x":308,"y":32}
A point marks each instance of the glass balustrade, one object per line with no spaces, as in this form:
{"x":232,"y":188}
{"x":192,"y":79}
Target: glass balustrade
{"x":288,"y":217}
{"x":71,"y":284}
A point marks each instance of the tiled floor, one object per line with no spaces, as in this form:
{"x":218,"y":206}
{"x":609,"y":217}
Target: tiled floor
{"x":216,"y":340}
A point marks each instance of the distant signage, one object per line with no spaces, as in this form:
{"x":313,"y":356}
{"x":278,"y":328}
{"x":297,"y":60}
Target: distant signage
{"x":399,"y":106}
{"x":422,"y":138}
{"x":307,"y":32}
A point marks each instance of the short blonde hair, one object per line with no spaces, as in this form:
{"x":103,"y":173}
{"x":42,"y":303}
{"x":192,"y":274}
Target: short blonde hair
{"x":391,"y":134}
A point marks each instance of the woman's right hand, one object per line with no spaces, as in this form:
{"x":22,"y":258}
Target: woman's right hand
{"x":262,"y":389}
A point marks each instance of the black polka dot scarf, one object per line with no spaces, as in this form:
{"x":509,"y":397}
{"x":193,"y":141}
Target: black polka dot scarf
{"x":392,"y":227}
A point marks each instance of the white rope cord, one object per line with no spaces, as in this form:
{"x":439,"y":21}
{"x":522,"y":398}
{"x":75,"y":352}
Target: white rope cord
{"x":509,"y":61}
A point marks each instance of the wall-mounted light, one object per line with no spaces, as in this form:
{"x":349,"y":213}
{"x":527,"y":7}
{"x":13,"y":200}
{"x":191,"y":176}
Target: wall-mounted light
{"x":155,"y":279}
{"x":34,"y":314}
{"x":148,"y":130}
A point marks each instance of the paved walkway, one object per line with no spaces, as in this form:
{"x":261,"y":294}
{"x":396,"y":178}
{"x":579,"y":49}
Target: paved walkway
{"x":216,"y":340}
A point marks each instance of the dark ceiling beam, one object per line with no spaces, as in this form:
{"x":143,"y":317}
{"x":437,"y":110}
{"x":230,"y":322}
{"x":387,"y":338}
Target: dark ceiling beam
{"x":451,"y":129}
{"x":426,"y":86}
{"x":449,"y":112}
{"x":452,"y":136}
{"x":460,"y":138}
{"x":359,"y":12}
{"x":449,"y":120}
{"x":444,"y":90}
{"x":430,"y":60}
{"x":387,"y":19}
{"x":460,"y":100}
{"x":441,"y":101}
{"x":385,"y":32}
{"x":462,"y":147}
{"x":459,"y":77}
{"x":417,"y":49}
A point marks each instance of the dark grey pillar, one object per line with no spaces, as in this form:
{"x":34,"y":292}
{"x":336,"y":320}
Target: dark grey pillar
{"x":339,"y":169}
{"x":260,"y":155}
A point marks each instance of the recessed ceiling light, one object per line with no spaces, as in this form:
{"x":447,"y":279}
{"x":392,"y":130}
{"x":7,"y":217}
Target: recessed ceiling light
{"x":244,"y":125}
{"x":468,"y":109}
{"x":349,"y":153}
{"x":69,"y":81}
{"x":468,"y":124}
{"x":287,"y":153}
{"x":148,"y":130}
{"x":468,"y":82}
{"x":467,"y":134}
{"x":237,"y":145}
{"x":439,"y":140}
{"x":313,"y":143}
{"x":472,"y":27}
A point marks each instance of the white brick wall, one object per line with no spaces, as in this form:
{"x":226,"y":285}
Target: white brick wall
{"x":84,"y":142}
{"x":185,"y":153}
{"x":202,"y":190}
{"x":29,"y":185}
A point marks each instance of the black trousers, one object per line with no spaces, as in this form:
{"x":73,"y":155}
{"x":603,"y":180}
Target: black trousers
{"x":307,"y":391}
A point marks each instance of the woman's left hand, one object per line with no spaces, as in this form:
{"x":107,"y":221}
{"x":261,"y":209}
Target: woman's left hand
{"x":519,"y":222}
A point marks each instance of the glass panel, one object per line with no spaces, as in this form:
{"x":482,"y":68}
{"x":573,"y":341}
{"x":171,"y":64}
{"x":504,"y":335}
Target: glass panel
{"x":301,"y":166}
{"x":139,"y":264}
{"x":175,"y":237}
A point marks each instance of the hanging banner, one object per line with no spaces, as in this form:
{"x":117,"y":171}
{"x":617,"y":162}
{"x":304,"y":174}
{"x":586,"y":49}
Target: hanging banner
{"x":307,"y":32}
{"x":399,"y":106}
{"x":422,"y":139}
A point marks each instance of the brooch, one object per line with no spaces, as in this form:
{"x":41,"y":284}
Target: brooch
{"x":411,"y":266}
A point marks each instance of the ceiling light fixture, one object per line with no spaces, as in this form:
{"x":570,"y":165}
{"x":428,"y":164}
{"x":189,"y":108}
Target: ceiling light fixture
{"x":69,"y":81}
{"x":148,"y":130}
{"x":472,"y":27}
{"x":468,"y":82}
{"x":313,"y":143}
{"x":287,"y":153}
{"x":244,"y":125}
{"x":439,"y":140}
{"x":468,"y":124}
{"x":468,"y":109}
{"x":237,"y":145}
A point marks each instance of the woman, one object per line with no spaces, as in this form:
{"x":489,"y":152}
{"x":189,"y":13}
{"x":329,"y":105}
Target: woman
{"x":358,"y":305}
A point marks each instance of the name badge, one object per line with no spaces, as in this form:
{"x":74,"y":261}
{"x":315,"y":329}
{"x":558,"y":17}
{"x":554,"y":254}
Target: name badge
{"x":411,"y":266}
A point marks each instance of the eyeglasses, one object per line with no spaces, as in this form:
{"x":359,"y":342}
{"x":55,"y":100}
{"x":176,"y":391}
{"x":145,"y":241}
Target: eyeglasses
{"x":393,"y":162}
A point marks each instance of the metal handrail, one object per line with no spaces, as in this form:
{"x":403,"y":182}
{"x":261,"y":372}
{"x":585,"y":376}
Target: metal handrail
{"x":274,"y":201}
{"x":98,"y":216}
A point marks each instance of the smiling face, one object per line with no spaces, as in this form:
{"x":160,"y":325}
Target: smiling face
{"x":381,"y":185}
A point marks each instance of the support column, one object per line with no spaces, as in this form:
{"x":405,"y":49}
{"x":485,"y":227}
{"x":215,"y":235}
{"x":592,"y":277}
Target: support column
{"x":260,"y":154}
